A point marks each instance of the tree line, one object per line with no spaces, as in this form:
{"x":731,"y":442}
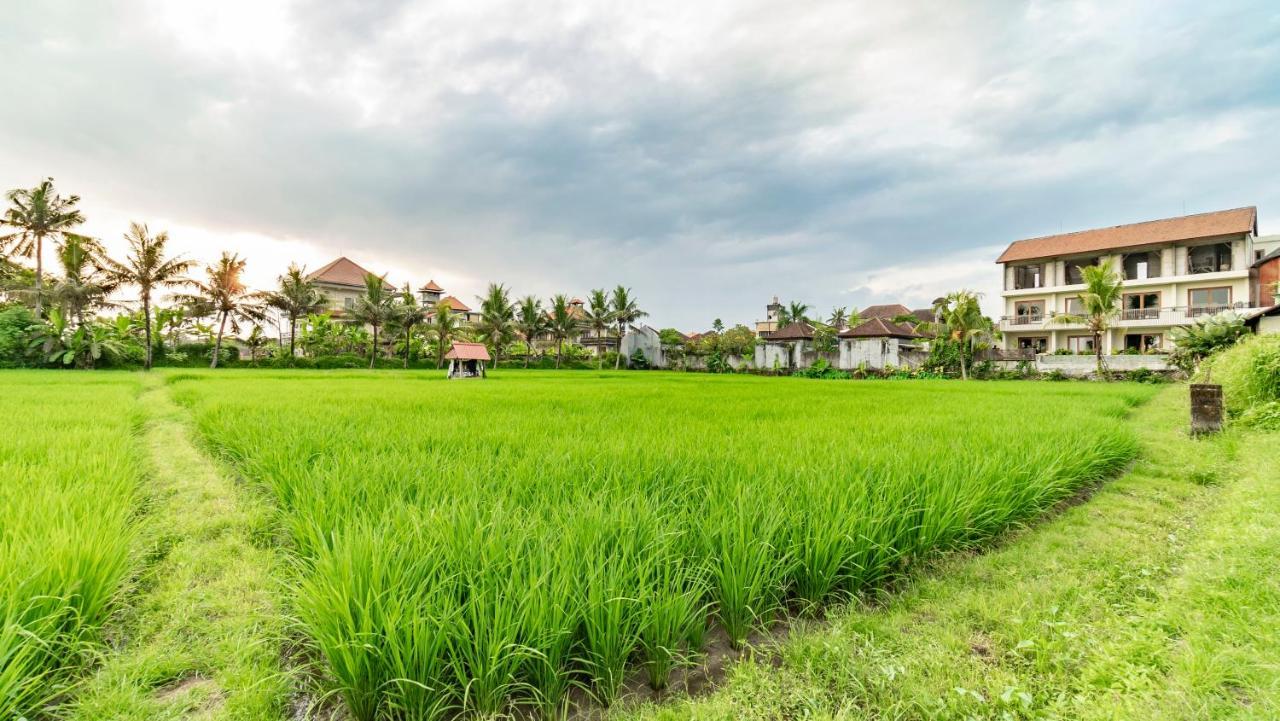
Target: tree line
{"x":56,"y":315}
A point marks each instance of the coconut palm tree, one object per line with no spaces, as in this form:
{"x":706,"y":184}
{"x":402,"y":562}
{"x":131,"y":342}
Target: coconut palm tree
{"x":562,"y":323}
{"x":228,"y":298}
{"x":497,"y":324}
{"x":839,"y":318}
{"x":531,"y":322}
{"x":443,"y":327}
{"x":960,"y":320}
{"x":794,"y":312}
{"x":625,"y":312}
{"x":598,"y":318}
{"x":1099,"y":305}
{"x":375,"y":309}
{"x":408,"y":316}
{"x":297,"y":297}
{"x":84,"y":284}
{"x":36,"y":214}
{"x":147,"y":267}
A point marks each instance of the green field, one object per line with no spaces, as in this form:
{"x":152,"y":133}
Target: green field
{"x":487,"y":546}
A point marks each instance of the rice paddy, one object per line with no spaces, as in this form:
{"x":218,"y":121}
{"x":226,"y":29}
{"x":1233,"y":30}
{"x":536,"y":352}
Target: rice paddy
{"x":69,"y":489}
{"x":510,"y":545}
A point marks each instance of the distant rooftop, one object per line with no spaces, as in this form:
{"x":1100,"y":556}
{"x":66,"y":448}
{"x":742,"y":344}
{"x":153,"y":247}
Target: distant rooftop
{"x":342,"y":271}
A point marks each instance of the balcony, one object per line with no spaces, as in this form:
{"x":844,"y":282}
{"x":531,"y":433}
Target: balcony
{"x":1127,"y":318}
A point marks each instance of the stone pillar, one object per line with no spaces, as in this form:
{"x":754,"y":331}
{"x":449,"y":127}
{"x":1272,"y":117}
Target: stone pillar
{"x":1167,"y":263}
{"x":1206,"y":408}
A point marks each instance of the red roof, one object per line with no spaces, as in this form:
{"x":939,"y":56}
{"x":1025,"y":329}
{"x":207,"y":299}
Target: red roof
{"x":467,"y":351}
{"x":880,"y":328}
{"x":343,"y":271}
{"x":576,"y":301}
{"x":1152,"y":232}
{"x":456,"y":304}
{"x":431,"y":287}
{"x":792,"y":331}
{"x":888,"y":311}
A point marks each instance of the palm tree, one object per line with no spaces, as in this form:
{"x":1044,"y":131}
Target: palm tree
{"x":228,"y":298}
{"x":795,"y":312}
{"x":531,"y":322}
{"x":443,"y":326}
{"x":297,"y":297}
{"x":375,"y":308}
{"x":147,"y":267}
{"x":839,"y":318}
{"x":562,"y":323}
{"x":256,"y":340}
{"x":961,"y":321}
{"x":497,"y":320}
{"x":408,"y":315}
{"x":36,"y":214}
{"x":1099,"y":304}
{"x":84,"y":284}
{"x":625,"y":312}
{"x":599,"y":318}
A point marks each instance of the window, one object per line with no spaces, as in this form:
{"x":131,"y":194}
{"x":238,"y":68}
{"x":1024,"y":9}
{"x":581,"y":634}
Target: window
{"x":1081,"y":344}
{"x":1028,"y":311}
{"x":1140,"y":266}
{"x":1075,"y":269}
{"x":1039,"y":344}
{"x":1208,"y":301}
{"x":1028,"y":276}
{"x":1073,"y":306}
{"x":1209,"y":258}
{"x":349,"y":303}
{"x":1141,"y":306}
{"x":1142,"y":342}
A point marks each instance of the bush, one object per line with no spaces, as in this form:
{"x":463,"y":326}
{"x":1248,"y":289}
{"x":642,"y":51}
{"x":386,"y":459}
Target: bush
{"x":822,"y":369}
{"x":1248,"y":371}
{"x":638,"y":361}
{"x":14,"y":349}
{"x":1055,"y":375}
{"x":1145,"y":375}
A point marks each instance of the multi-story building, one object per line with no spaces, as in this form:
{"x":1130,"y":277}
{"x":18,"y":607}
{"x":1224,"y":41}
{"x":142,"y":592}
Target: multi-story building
{"x":1174,"y":271}
{"x":342,"y":282}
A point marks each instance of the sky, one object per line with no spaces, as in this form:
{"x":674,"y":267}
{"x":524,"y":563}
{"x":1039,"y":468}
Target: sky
{"x":709,"y":155}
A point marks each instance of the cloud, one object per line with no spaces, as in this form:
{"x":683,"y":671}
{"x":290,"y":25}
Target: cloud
{"x":709,"y":155}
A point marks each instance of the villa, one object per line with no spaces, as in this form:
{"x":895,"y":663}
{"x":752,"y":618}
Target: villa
{"x":342,"y":282}
{"x":1173,"y":271}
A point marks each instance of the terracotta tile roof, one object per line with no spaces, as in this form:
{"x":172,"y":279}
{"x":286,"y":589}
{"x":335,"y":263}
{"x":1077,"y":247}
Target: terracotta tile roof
{"x":456,"y":304}
{"x":1152,"y":232}
{"x":342,"y":271}
{"x":467,"y":351}
{"x":888,"y":311}
{"x":881,"y":328}
{"x":431,"y":287}
{"x":793,"y":331}
{"x":924,"y":315}
{"x":576,"y":301}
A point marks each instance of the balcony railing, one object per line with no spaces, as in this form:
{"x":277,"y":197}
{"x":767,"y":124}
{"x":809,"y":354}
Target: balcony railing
{"x":1023,"y":319}
{"x":1169,"y":316}
{"x":1140,"y":313}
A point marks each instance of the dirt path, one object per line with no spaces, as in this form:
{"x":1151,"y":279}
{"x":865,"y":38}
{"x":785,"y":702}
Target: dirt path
{"x":200,"y":636}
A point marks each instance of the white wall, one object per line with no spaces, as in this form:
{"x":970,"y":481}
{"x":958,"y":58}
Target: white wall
{"x":877,"y":353}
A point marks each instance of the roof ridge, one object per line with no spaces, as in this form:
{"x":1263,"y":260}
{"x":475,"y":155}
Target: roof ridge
{"x":1254,"y":208}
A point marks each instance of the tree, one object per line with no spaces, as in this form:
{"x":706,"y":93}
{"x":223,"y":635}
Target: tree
{"x":375,"y":309}
{"x":169,"y":321}
{"x":229,"y":299}
{"x":599,"y":318}
{"x":497,"y":320}
{"x":625,"y":312}
{"x":147,"y":267}
{"x":409,"y":315}
{"x":36,"y":214}
{"x":839,"y":318}
{"x":717,"y":326}
{"x":562,"y":323}
{"x":1099,"y":304}
{"x":444,"y":326}
{"x":256,"y":340}
{"x":84,"y":284}
{"x":961,"y":322}
{"x":297,"y":297}
{"x":531,"y":322}
{"x":794,"y":312}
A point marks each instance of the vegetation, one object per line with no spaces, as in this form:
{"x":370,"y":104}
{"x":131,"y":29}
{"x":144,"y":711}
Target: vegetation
{"x":33,"y":215}
{"x":485,"y":568}
{"x":1206,"y":336}
{"x":626,"y":311}
{"x":960,"y":328}
{"x":147,"y":268}
{"x":297,"y":297}
{"x":1249,"y":373}
{"x":67,"y":544}
{"x":1099,"y":305}
{"x":228,"y":297}
{"x":375,"y":309}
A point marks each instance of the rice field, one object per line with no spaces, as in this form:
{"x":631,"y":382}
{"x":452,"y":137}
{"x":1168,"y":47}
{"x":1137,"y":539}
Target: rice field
{"x":69,"y":487}
{"x":507,"y":545}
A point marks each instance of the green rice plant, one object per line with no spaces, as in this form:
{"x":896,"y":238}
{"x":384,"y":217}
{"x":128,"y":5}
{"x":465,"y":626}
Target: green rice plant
{"x":483,"y":548}
{"x":69,"y":461}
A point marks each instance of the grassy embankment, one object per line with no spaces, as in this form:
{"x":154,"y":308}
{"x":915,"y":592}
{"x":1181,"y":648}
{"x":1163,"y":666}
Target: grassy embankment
{"x":1159,"y":598}
{"x":477,"y":545}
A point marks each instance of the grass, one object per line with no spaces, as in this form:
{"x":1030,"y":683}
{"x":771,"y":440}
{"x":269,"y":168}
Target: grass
{"x":485,"y":546}
{"x":1156,"y":599}
{"x":66,"y":527}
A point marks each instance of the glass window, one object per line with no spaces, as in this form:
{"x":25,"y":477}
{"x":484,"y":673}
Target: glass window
{"x":1209,"y":258}
{"x":1218,"y":298}
{"x":1029,"y":311}
{"x":1142,"y":342}
{"x":1141,"y":305}
{"x":1080,"y":344}
{"x":348,"y":303}
{"x":1028,"y":276}
{"x":1074,"y":306}
{"x":1039,"y":344}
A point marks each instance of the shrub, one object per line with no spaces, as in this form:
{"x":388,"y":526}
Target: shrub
{"x":1196,"y":342}
{"x":638,"y":361}
{"x":822,"y":369}
{"x":1055,"y":375}
{"x":15,"y":351}
{"x":1249,"y":372}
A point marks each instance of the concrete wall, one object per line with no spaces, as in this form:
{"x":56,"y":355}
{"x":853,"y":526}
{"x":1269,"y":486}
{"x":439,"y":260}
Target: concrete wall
{"x":644,"y":339}
{"x":877,"y":353}
{"x":1083,"y":365}
{"x":1269,"y":324}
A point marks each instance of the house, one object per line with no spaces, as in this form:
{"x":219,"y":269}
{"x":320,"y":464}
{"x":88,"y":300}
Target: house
{"x":1174,"y":271}
{"x":459,"y":310}
{"x":647,"y":340}
{"x":790,"y":346}
{"x":770,"y":323}
{"x":342,"y":282}
{"x":879,"y":343}
{"x":1266,"y":280}
{"x":466,"y":360}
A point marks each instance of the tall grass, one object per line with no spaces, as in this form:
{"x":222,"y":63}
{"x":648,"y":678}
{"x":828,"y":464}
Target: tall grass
{"x":68,"y":485}
{"x":483,"y":547}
